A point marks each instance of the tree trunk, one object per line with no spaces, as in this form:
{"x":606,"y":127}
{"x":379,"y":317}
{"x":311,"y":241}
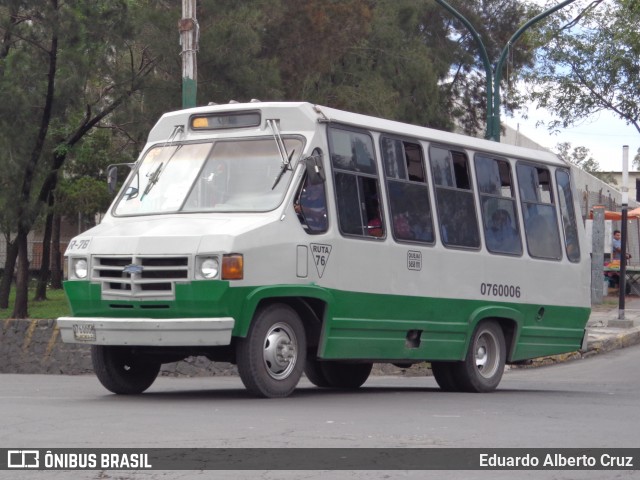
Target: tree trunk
{"x":7,"y":276}
{"x":45,"y":270}
{"x":56,"y":265}
{"x":21,"y":307}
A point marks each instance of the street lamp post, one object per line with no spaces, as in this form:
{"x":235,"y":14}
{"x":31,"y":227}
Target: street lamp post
{"x":494,"y":76}
{"x":623,"y":233}
{"x":189,"y":33}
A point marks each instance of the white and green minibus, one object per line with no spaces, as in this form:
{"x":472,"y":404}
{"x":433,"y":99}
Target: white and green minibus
{"x":292,"y":238}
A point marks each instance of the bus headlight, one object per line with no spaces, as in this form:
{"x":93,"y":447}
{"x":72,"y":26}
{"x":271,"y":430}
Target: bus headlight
{"x":209,"y":268}
{"x":79,"y":267}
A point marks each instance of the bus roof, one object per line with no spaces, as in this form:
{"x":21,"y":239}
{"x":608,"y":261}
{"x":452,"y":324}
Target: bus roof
{"x":295,"y":115}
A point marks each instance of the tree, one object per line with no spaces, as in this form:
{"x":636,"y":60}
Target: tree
{"x":588,"y":61}
{"x":581,"y":158}
{"x":72,"y":64}
{"x":636,"y":160}
{"x":465,"y":85}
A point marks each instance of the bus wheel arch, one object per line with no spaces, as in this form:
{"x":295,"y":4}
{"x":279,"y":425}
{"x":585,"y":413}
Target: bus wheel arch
{"x":271,"y":357}
{"x":484,"y":362}
{"x":487,"y":352}
{"x":311,"y":311}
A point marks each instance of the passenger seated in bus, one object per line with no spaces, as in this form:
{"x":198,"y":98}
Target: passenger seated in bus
{"x":543,"y":238}
{"x":501,"y":236}
{"x":401,"y":227}
{"x":311,"y":206}
{"x":422,"y":226}
{"x":374,"y":225}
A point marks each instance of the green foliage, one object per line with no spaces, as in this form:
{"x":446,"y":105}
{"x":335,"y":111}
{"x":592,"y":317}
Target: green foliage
{"x":588,"y":62}
{"x":579,"y":156}
{"x":55,"y":306}
{"x":495,"y":21}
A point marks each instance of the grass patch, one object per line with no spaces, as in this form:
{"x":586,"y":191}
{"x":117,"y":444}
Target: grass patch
{"x":55,"y":306}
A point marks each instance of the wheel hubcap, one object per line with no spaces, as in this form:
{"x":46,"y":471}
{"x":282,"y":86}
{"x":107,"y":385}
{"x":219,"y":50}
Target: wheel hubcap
{"x":487,"y":354}
{"x":280,"y":351}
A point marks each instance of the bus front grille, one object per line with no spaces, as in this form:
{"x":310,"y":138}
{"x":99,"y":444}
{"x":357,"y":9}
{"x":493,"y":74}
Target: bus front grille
{"x":139,"y":277}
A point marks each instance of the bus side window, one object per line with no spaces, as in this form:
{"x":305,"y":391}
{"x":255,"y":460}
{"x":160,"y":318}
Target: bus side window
{"x":539,"y":212}
{"x":408,"y":191}
{"x":356,"y":183}
{"x":311,"y":206}
{"x":454,"y":198}
{"x":498,"y":205}
{"x":569,"y":222}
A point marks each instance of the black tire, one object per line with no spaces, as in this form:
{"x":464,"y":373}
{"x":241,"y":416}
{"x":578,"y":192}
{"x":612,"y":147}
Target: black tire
{"x":445,"y":374}
{"x":121,"y":371}
{"x":271,"y":357}
{"x":348,"y":376}
{"x":482,"y":369}
{"x":314,"y":373}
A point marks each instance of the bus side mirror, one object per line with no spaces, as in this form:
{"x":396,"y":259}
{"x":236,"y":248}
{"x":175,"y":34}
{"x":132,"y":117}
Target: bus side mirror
{"x":315,"y":172}
{"x":112,"y":176}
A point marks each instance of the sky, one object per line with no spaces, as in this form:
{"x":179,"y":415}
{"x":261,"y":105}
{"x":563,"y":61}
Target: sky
{"x":603,"y":134}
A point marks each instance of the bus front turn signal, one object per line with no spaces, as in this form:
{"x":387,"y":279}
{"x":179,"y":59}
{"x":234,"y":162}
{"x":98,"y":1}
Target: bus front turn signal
{"x":232,"y":267}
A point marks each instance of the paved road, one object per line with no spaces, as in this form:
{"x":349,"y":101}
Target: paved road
{"x":586,"y":403}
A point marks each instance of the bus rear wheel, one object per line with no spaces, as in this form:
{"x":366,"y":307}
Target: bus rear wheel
{"x":313,"y":371}
{"x":348,"y":376}
{"x":445,"y":374}
{"x":482,"y":368}
{"x":121,"y":371}
{"x":271,"y":357}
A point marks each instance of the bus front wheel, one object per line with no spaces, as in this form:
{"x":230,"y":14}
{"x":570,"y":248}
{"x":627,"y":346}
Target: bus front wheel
{"x":348,"y":376}
{"x":271,"y":357}
{"x":482,"y":368}
{"x":121,"y":371}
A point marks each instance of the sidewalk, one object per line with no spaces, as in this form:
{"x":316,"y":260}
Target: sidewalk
{"x":607,"y":332}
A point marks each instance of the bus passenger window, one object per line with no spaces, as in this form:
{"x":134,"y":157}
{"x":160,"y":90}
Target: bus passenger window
{"x":408,"y":191}
{"x":498,"y":206}
{"x":311,"y":207}
{"x":454,"y":198}
{"x":539,"y":212}
{"x":569,"y":222}
{"x":356,"y":183}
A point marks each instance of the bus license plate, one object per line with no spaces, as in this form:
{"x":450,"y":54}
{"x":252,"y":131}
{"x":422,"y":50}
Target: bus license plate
{"x":84,"y":332}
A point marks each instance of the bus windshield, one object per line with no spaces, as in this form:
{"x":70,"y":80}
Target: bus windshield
{"x":222,"y":176}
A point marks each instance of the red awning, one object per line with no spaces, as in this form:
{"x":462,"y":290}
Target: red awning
{"x":631,"y":214}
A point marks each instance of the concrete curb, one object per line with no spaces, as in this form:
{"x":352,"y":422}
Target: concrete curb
{"x":34,"y":346}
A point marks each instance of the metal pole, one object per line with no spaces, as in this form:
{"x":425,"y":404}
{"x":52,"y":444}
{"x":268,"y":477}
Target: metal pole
{"x":623,"y":231}
{"x":597,"y":255}
{"x":495,"y":128}
{"x":493,"y":77}
{"x":485,"y":61}
{"x":189,"y":33}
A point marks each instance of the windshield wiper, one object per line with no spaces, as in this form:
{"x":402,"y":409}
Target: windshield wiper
{"x":155,"y":175}
{"x":285,"y":166}
{"x":282,"y":150}
{"x":153,"y":179}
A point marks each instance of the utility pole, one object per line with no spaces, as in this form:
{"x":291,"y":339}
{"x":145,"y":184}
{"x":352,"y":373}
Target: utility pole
{"x":623,"y":227}
{"x":189,"y":37}
{"x":494,"y":75}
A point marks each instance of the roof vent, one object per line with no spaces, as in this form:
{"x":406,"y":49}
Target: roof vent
{"x":254,"y":100}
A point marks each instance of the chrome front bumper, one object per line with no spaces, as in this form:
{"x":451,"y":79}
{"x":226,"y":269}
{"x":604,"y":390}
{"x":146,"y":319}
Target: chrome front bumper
{"x":173,"y":332}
